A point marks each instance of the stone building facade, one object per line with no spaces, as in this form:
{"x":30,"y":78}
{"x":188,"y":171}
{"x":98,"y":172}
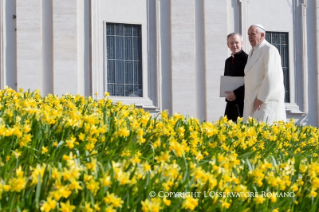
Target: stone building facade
{"x":157,"y":54}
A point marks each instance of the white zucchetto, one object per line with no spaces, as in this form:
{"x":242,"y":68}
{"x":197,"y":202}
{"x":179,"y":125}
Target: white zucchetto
{"x":259,"y":25}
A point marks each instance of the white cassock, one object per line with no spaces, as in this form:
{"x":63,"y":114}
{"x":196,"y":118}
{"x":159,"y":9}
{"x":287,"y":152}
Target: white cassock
{"x":264,"y":80}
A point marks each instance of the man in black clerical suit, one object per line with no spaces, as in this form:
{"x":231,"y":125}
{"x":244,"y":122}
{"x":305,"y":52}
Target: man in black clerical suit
{"x":234,"y":66}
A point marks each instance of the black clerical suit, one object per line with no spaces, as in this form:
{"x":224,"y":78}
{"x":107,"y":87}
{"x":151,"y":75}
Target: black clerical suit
{"x":234,"y":66}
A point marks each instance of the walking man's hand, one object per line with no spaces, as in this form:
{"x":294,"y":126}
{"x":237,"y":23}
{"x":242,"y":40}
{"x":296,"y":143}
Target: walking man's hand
{"x":231,"y":96}
{"x":257,"y":104}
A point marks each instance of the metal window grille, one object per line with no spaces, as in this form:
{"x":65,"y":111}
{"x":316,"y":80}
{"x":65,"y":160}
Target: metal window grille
{"x":280,"y":41}
{"x":124,"y":59}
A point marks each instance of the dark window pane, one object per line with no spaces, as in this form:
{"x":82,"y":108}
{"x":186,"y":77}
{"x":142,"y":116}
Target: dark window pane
{"x":129,"y":72}
{"x":284,"y":38}
{"x":110,"y":29}
{"x":128,"y":30}
{"x":268,"y":37}
{"x":119,"y":90}
{"x":110,"y":71}
{"x":286,"y":82}
{"x":284,"y":55}
{"x":110,"y":89}
{"x":110,"y":47}
{"x":124,"y":60}
{"x":137,"y":48}
{"x":118,"y":29}
{"x":119,"y":72}
{"x":137,"y":73}
{"x":138,"y":91}
{"x":285,"y":73}
{"x":275,"y":39}
{"x":129,"y":90}
{"x":119,"y":47}
{"x":136,"y":30}
{"x":278,"y":47}
{"x":128,"y":48}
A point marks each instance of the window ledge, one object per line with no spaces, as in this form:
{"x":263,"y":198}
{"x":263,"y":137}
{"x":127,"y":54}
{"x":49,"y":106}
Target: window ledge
{"x":140,"y":102}
{"x":293,"y":109}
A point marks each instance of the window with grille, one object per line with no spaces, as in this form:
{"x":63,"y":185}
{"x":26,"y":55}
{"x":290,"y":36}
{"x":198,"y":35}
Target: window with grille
{"x":124,"y":59}
{"x":280,"y":41}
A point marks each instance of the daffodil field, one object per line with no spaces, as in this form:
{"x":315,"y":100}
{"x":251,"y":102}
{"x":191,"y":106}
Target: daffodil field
{"x":76,"y":153}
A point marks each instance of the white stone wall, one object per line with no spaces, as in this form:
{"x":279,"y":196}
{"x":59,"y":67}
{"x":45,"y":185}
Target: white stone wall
{"x":29,"y":45}
{"x":9,"y":53}
{"x":165,"y":54}
{"x":65,"y":64}
{"x":312,"y":82}
{"x":216,"y":54}
{"x":59,"y":47}
{"x":317,"y":56}
{"x":196,"y":51}
{"x":183,"y":57}
{"x":84,"y":45}
{"x":46,"y":45}
{"x":1,"y":45}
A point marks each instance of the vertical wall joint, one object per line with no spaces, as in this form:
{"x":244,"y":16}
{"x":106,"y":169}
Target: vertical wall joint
{"x":304,"y":51}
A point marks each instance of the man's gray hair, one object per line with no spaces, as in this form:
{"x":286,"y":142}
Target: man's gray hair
{"x":234,"y":34}
{"x":260,"y":28}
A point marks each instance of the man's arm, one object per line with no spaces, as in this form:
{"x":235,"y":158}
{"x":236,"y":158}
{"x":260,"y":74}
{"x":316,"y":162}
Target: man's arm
{"x":257,"y":104}
{"x":240,"y":93}
{"x":225,"y":71}
{"x":231,"y":96}
{"x":237,"y":94}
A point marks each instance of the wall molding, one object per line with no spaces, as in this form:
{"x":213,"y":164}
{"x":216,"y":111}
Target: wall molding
{"x":96,"y":69}
{"x":317,"y":55}
{"x":159,"y":54}
{"x":2,"y":72}
{"x":305,"y":56}
{"x":154,"y":84}
{"x":244,"y":23}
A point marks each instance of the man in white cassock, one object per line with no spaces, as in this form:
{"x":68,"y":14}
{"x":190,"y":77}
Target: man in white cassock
{"x":264,"y":84}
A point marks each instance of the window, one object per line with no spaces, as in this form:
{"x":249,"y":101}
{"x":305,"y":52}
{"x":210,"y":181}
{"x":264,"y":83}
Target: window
{"x":124,"y":60}
{"x":280,"y":41}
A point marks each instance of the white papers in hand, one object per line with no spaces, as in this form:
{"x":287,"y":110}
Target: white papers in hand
{"x":228,"y":83}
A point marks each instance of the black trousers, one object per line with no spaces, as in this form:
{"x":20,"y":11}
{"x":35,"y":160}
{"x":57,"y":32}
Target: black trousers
{"x":234,"y":110}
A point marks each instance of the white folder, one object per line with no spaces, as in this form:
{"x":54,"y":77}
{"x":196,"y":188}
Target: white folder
{"x":228,"y":83}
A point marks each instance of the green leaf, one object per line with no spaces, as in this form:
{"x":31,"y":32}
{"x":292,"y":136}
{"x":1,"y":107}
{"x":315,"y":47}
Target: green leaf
{"x":38,"y":191}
